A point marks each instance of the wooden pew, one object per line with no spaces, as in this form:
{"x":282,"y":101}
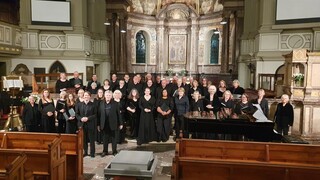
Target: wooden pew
{"x":71,"y":143}
{"x":14,"y":169}
{"x":209,"y":159}
{"x":49,"y":163}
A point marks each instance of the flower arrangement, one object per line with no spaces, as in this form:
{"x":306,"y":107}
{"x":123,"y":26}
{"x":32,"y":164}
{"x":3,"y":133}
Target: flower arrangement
{"x":26,"y":99}
{"x":169,"y":71}
{"x":183,"y":72}
{"x":298,"y":77}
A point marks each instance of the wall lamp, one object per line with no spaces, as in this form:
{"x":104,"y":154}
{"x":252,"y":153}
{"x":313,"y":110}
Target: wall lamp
{"x":223,"y":21}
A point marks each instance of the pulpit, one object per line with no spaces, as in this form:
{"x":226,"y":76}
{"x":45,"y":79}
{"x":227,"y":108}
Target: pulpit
{"x":13,"y":84}
{"x":301,"y":82}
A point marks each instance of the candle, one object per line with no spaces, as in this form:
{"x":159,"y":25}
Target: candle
{"x":146,"y":68}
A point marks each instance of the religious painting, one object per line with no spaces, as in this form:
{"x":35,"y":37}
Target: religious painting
{"x":177,"y":49}
{"x":89,"y":71}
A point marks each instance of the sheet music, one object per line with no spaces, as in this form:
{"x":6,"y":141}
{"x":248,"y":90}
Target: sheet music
{"x":259,"y":115}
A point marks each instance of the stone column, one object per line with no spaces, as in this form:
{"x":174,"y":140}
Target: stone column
{"x":160,"y":46}
{"x":192,"y":63}
{"x":25,"y":14}
{"x":225,"y":47}
{"x":79,"y":14}
{"x":122,"y":44}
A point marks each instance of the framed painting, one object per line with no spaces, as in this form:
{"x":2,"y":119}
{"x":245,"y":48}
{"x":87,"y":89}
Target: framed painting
{"x":177,"y":49}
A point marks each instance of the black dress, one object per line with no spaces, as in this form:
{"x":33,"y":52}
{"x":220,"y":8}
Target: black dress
{"x":47,"y":122}
{"x":284,"y":118}
{"x":214,"y":102}
{"x":196,"y":105}
{"x":61,"y":104}
{"x":147,"y":132}
{"x":164,"y":122}
{"x":31,"y":117}
{"x":62,"y":85}
{"x":71,"y":124}
{"x":133,"y":118}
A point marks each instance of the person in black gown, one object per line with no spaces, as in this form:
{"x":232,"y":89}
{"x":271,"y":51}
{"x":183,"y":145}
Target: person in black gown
{"x":147,"y":132}
{"x":226,"y":105}
{"x":284,"y":115}
{"x":244,"y":109}
{"x":263,"y":102}
{"x":31,"y":115}
{"x":236,"y":89}
{"x":71,"y":125}
{"x":47,"y":109}
{"x":196,"y":104}
{"x":133,"y":110}
{"x":62,"y":84}
{"x":96,"y":102}
{"x":61,"y":108}
{"x":212,"y":102}
{"x":164,"y":107}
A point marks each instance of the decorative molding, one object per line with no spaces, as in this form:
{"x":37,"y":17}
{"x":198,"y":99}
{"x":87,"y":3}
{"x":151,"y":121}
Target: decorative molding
{"x":52,"y":42}
{"x":292,"y":41}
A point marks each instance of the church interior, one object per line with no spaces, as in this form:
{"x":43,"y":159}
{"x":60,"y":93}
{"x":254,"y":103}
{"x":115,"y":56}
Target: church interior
{"x":272,"y":45}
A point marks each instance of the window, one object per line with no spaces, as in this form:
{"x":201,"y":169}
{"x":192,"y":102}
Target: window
{"x":140,"y":48}
{"x":214,"y":49}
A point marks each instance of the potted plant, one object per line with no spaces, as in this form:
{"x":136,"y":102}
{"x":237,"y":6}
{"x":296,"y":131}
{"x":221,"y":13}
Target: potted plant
{"x":183,"y":72}
{"x":298,"y":79}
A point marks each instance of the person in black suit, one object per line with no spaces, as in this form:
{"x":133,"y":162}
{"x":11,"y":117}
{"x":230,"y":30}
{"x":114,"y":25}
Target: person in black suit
{"x":62,"y":84}
{"x":31,"y":116}
{"x":284,"y":115}
{"x":262,"y":102}
{"x":114,"y":83}
{"x":86,"y":114}
{"x":109,"y":122}
{"x":76,"y":82}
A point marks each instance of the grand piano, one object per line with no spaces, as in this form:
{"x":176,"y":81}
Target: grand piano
{"x":200,"y":125}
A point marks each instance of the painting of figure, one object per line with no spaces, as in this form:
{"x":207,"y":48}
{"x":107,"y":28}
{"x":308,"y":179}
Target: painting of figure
{"x":177,"y":48}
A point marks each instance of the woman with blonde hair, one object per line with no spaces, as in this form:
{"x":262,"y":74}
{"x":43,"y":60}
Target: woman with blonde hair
{"x":61,"y":108}
{"x":181,"y":107}
{"x":47,"y":109}
{"x":226,"y":105}
{"x":222,"y":88}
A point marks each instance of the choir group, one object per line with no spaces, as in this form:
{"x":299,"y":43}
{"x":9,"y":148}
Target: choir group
{"x":120,"y":109}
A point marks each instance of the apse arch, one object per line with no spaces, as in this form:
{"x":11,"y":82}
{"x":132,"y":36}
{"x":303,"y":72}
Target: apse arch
{"x":56,"y":67}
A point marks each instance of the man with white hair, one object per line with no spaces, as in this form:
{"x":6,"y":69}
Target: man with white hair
{"x":109,"y":122}
{"x":284,"y":115}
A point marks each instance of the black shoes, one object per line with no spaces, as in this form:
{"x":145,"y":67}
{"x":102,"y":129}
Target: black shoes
{"x":104,"y":154}
{"x":115,"y":153}
{"x":85,"y":154}
{"x":92,"y":155}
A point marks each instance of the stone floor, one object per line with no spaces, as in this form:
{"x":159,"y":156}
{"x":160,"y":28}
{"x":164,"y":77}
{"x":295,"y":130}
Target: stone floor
{"x":94,"y":167}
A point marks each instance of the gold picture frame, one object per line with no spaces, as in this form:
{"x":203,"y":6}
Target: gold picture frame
{"x":177,"y":49}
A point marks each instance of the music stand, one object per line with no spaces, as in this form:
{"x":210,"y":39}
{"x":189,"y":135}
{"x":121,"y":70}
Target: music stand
{"x":11,"y":84}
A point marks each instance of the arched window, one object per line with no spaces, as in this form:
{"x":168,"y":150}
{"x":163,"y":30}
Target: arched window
{"x":214,"y":49}
{"x":140,"y":48}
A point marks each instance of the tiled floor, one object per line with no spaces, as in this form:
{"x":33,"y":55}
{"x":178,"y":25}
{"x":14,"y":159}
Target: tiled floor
{"x":94,"y":167}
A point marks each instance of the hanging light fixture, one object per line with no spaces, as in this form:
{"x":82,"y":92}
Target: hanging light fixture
{"x":216,"y":31}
